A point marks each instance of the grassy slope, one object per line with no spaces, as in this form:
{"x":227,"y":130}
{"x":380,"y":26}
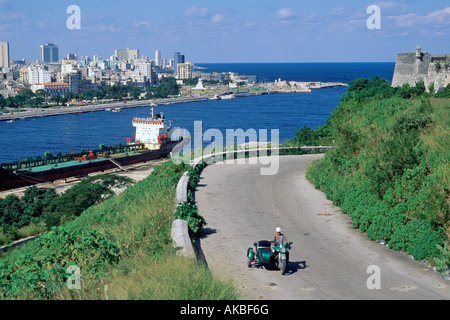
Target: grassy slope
{"x":123,"y":248}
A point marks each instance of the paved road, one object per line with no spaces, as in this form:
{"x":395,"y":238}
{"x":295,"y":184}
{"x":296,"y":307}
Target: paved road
{"x":329,"y":259}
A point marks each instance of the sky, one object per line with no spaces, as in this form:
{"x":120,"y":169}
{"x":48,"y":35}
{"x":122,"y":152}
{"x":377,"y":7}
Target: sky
{"x":212,"y":31}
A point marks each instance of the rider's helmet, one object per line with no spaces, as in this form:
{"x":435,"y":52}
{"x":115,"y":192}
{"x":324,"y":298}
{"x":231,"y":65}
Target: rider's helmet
{"x":278,"y":229}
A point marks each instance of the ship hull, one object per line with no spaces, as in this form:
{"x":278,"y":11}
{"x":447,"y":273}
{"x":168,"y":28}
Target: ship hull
{"x":12,"y":180}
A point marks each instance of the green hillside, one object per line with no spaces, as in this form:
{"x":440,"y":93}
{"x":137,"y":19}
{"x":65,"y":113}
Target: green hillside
{"x":122,"y":247}
{"x":390,"y":170}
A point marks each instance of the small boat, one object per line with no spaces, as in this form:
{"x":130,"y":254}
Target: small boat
{"x":116,"y":110}
{"x":227,"y":96}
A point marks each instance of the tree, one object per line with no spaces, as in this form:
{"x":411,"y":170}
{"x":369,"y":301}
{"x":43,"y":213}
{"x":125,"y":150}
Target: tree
{"x":2,"y":102}
{"x":26,"y":93}
{"x":77,"y":199}
{"x":71,"y":96}
{"x":42,"y":93}
{"x":90,"y":94}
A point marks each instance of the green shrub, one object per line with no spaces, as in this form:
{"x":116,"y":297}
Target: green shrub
{"x":40,"y":272}
{"x":389,"y":170}
{"x":189,"y":212}
{"x":443,"y":260}
{"x":417,"y":238}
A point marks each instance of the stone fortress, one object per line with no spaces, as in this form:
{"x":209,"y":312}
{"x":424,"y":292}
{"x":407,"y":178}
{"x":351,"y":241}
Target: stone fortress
{"x":420,"y":66}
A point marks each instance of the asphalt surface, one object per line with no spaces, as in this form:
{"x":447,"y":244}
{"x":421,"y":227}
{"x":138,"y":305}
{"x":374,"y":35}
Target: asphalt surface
{"x":329,"y":259}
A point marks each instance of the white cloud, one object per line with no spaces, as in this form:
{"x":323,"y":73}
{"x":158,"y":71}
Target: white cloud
{"x":439,"y":17}
{"x":388,"y":7}
{"x":141,"y":24}
{"x":217,"y":18}
{"x":285,"y":14}
{"x":196,"y":12}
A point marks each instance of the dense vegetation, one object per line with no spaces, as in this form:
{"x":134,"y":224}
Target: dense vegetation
{"x":123,"y":248}
{"x":390,"y":169}
{"x":39,"y":209}
{"x":167,"y":86}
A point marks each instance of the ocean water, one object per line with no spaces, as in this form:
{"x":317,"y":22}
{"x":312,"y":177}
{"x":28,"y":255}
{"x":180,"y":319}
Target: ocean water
{"x":284,"y":112}
{"x":325,"y":72}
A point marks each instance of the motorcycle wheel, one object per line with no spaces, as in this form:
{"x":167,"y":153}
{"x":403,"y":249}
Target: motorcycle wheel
{"x":283,"y":267}
{"x":249,"y":263}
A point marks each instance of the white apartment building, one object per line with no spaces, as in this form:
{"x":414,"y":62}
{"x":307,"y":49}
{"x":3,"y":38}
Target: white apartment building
{"x":144,"y":68}
{"x":69,"y":66}
{"x":38,"y":75}
{"x":184,"y":70}
{"x":126,"y":54}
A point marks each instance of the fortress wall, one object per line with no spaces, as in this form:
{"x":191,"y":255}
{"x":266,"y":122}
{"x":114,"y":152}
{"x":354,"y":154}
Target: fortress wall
{"x":420,"y":66}
{"x":407,"y":70}
{"x":439,"y":74}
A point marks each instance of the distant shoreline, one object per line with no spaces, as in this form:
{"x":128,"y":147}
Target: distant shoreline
{"x":55,"y":111}
{"x":92,"y":107}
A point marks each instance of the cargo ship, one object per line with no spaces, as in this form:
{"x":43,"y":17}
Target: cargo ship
{"x":153,"y":140}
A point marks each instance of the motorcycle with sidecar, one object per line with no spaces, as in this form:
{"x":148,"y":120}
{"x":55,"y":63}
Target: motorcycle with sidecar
{"x":264,"y":254}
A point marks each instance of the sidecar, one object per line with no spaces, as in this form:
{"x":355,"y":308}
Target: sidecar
{"x":261,"y":254}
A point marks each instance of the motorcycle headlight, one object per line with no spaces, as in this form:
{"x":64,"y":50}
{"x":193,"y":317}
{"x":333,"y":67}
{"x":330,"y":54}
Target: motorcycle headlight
{"x":283,"y":249}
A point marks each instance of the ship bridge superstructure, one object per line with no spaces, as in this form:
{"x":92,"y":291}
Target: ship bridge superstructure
{"x":152,"y":132}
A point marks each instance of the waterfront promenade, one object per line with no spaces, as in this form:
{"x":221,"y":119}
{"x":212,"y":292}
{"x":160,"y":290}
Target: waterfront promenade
{"x":115,"y":106}
{"x":92,"y":107}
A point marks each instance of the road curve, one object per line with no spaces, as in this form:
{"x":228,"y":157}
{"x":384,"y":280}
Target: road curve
{"x":329,"y":259}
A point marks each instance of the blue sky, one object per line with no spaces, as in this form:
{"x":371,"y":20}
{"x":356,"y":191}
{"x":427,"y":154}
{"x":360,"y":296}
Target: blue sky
{"x":231,"y":30}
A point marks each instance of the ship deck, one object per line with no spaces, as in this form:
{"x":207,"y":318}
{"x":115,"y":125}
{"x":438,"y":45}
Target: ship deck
{"x":71,"y":163}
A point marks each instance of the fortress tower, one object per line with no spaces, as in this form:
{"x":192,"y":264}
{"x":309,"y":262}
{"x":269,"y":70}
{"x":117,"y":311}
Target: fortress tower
{"x":420,"y":66}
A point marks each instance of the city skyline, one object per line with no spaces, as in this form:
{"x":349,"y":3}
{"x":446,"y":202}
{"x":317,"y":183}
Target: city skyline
{"x":205,"y":31}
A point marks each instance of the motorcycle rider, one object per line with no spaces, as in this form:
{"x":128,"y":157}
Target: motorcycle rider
{"x":276,"y":237}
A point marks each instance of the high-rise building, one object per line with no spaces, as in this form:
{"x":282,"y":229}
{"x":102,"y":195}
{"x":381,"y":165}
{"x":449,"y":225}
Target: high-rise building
{"x":127,"y":54}
{"x":184,"y":70}
{"x":4,"y":54}
{"x":49,"y":53}
{"x":145,"y":68}
{"x":177,"y":58}
{"x":158,"y":60}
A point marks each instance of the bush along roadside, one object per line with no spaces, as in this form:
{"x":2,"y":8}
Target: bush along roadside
{"x":188,"y":210}
{"x":390,"y":169}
